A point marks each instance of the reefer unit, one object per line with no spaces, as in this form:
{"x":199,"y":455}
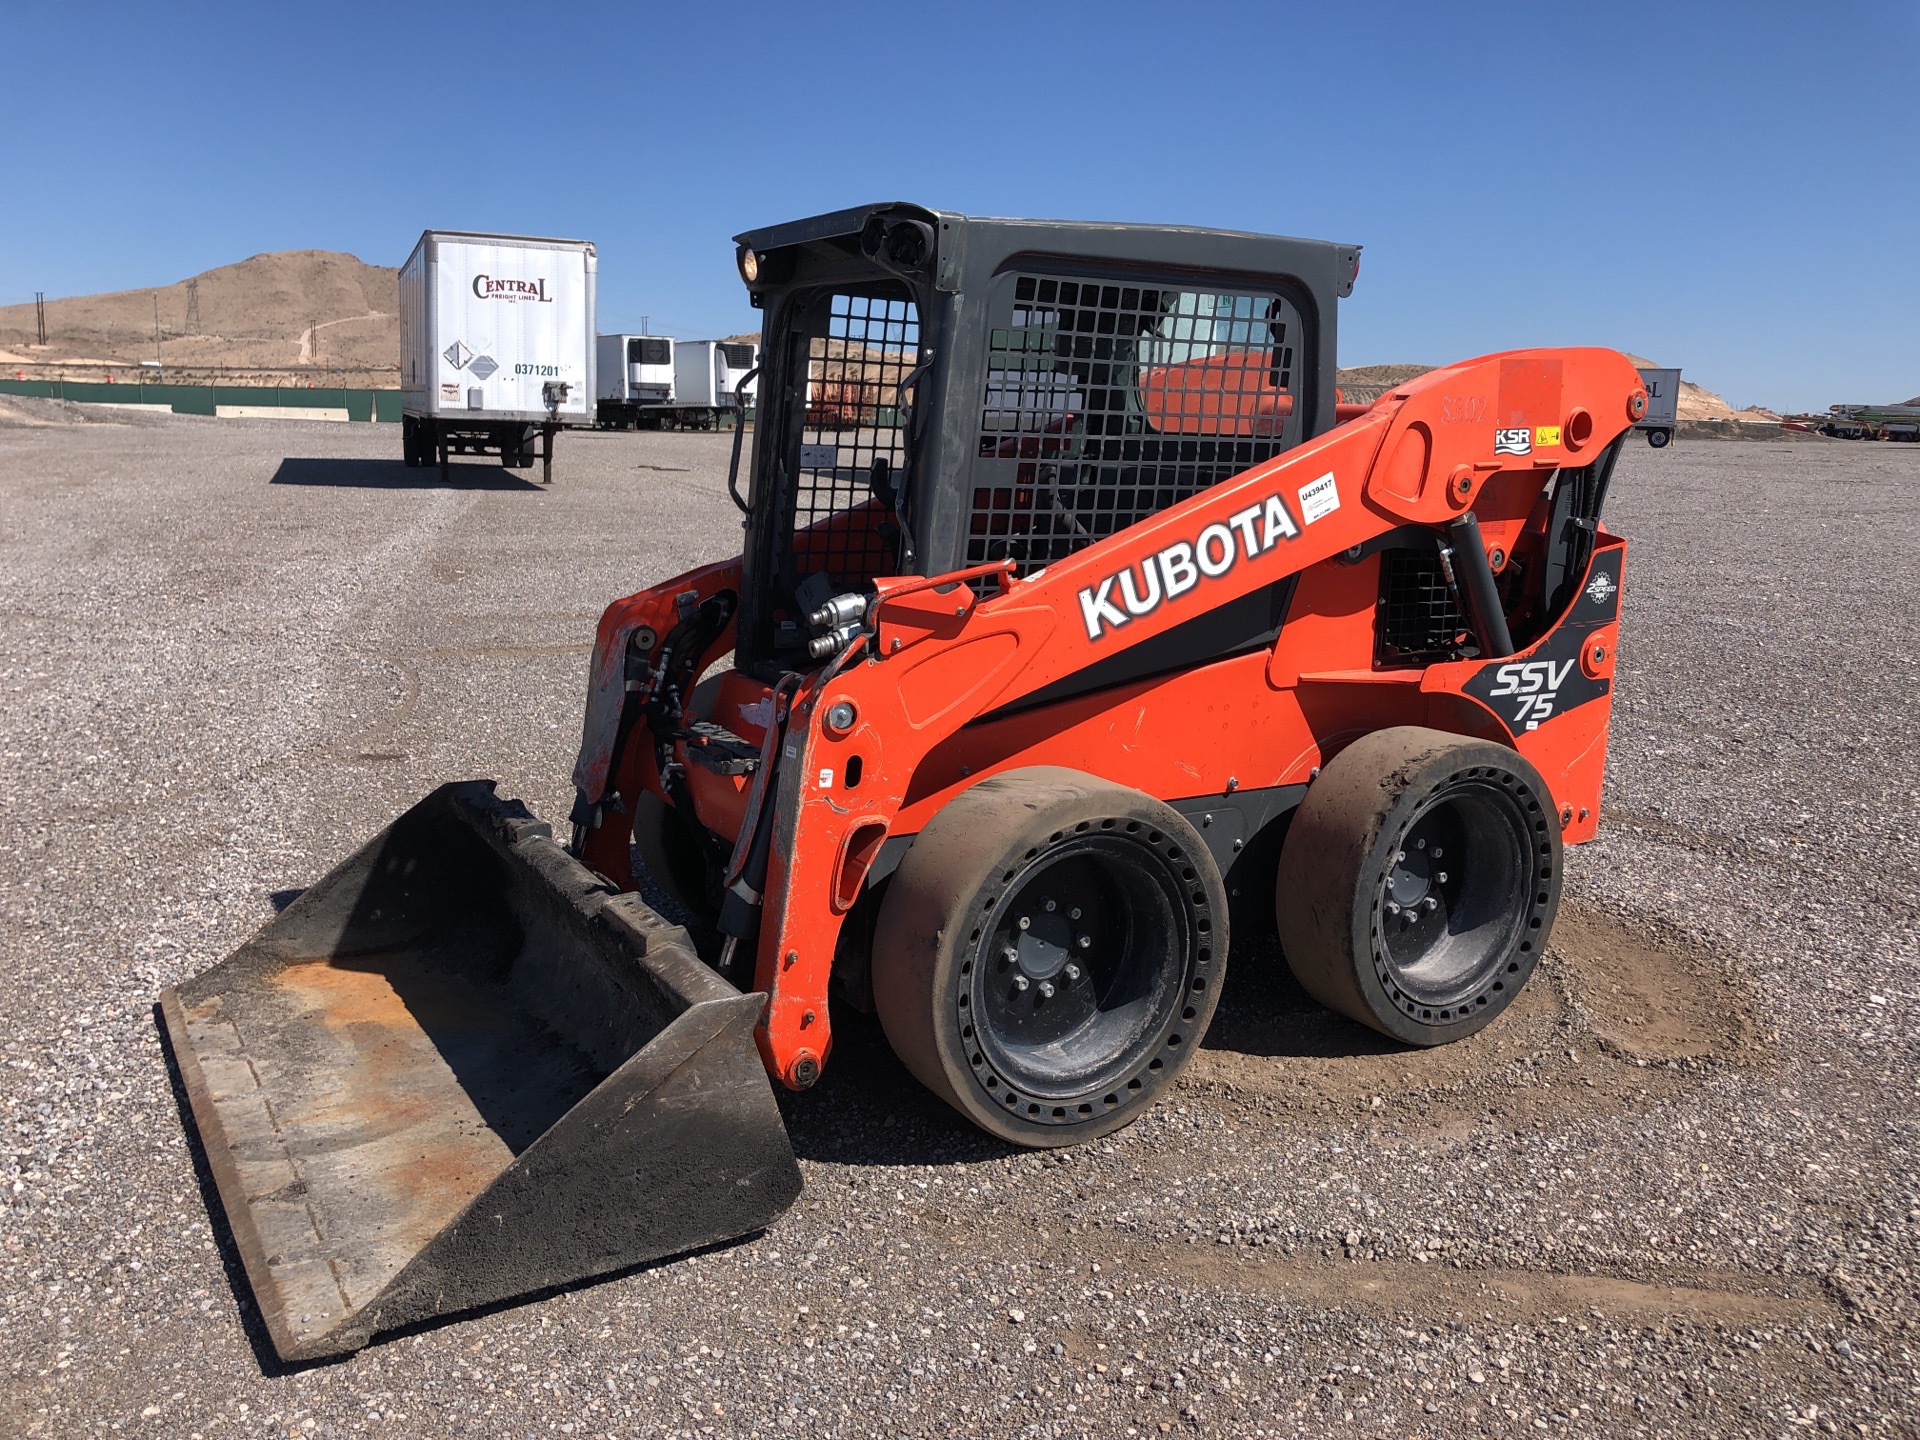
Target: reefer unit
{"x":496,"y":344}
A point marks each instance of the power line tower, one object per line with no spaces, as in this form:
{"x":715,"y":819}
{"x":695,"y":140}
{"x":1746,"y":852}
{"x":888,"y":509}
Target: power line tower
{"x":40,"y":313}
{"x":193,"y":307}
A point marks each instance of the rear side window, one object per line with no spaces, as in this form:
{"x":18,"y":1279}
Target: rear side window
{"x":1106,"y":402}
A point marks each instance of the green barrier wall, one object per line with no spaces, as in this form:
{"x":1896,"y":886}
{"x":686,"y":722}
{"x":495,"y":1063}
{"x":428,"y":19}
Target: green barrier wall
{"x":362,"y":405}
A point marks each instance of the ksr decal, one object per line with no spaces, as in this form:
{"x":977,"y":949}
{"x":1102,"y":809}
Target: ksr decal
{"x":1537,"y":684}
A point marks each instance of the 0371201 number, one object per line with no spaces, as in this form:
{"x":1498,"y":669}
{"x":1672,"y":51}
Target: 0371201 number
{"x":536,"y":369}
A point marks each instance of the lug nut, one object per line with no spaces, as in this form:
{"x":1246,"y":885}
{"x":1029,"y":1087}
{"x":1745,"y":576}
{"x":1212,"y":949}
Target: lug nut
{"x":1025,"y":923}
{"x":1020,"y":982}
{"x":1419,"y":844}
{"x":1009,"y":955}
{"x":1074,"y":913}
{"x":1048,"y":906}
{"x":1438,"y":852}
{"x":1400,"y":858}
{"x":1439,"y":877}
{"x":1085,"y":942}
{"x":1046,"y":989}
{"x":1393,"y":908}
{"x":1430,"y":903}
{"x":1072,"y":972}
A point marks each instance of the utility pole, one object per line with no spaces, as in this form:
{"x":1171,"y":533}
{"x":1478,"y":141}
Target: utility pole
{"x":156,"y":336}
{"x":644,"y":320}
{"x":40,"y":313}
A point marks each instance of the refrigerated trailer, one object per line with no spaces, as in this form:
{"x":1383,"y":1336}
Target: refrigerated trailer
{"x":650,"y":381}
{"x":708,"y":375}
{"x":496,"y":346}
{"x":634,"y":381}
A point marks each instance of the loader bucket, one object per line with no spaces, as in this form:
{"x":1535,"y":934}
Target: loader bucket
{"x":463,"y":1068}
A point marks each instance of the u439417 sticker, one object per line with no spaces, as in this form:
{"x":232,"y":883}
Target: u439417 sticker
{"x":1319,"y":498}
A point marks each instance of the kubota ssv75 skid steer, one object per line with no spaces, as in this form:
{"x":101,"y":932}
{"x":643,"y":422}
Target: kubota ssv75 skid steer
{"x":1073,"y":600}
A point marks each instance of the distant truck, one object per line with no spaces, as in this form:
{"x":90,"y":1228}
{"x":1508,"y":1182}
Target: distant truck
{"x":1663,"y":406}
{"x":648,"y":382}
{"x":496,"y":346}
{"x":1863,"y":422}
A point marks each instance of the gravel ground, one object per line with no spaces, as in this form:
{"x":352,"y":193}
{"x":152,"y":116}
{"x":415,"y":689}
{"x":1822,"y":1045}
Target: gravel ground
{"x":1673,"y":1192}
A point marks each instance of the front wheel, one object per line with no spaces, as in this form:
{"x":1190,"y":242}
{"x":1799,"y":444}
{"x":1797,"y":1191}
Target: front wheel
{"x":1049,"y":954}
{"x":1419,"y":881}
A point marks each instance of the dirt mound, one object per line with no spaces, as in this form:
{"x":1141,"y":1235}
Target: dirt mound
{"x":1614,"y":1019}
{"x":1699,"y":403}
{"x":1384,"y":377}
{"x":284,"y":309}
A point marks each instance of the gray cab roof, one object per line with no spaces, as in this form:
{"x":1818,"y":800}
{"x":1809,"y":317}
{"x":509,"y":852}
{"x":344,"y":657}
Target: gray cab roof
{"x":981,"y":243}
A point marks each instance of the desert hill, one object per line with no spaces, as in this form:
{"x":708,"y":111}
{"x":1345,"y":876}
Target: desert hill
{"x":1369,"y":382}
{"x":283,"y":311}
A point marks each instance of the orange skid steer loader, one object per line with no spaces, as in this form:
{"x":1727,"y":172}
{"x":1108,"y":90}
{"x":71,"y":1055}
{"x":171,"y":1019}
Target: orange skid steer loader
{"x":1099,"y":611}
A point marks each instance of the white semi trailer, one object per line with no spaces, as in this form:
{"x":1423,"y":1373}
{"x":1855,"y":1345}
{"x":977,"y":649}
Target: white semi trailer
{"x":496,"y":346}
{"x":651,"y":382}
{"x":707,"y":379}
{"x":636,"y":380}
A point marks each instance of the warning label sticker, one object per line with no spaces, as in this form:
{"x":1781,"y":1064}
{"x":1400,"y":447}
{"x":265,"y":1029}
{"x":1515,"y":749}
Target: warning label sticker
{"x":1545,"y":435}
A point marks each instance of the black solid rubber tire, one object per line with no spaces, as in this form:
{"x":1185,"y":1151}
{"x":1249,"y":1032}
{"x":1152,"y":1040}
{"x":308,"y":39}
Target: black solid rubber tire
{"x":1145,"y":1005}
{"x":1658,"y":438}
{"x":409,"y":442}
{"x":1343,"y":853}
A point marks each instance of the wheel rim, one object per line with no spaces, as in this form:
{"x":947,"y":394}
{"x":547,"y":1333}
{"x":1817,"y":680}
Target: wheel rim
{"x":1065,"y":1015}
{"x":1461,"y":898}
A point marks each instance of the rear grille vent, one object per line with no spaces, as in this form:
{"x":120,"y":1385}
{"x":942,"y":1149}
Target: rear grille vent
{"x":1420,"y":620}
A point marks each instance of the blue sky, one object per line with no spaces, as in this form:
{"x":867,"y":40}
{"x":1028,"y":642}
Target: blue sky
{"x":1731,"y":188}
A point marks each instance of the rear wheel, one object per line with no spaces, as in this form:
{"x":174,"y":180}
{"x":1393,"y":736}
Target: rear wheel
{"x":1658,"y":438}
{"x":1049,"y":953}
{"x":1419,"y":881}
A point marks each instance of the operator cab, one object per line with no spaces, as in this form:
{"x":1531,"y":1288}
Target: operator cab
{"x":1094,"y":375}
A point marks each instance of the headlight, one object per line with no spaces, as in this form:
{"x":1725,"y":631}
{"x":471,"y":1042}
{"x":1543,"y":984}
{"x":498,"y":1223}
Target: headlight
{"x":749,"y":267}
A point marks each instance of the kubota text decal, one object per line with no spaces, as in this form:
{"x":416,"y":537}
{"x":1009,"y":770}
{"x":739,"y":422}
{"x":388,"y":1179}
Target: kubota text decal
{"x":1140,"y":589}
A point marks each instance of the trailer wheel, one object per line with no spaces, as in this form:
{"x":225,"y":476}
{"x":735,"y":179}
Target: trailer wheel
{"x":409,"y":442}
{"x":1419,"y":881}
{"x":1049,"y":953}
{"x":1658,"y":438}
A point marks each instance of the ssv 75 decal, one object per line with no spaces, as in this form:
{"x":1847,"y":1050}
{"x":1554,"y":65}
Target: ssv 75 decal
{"x":1536,"y":683}
{"x":1141,"y":589}
{"x":1527,"y":691}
